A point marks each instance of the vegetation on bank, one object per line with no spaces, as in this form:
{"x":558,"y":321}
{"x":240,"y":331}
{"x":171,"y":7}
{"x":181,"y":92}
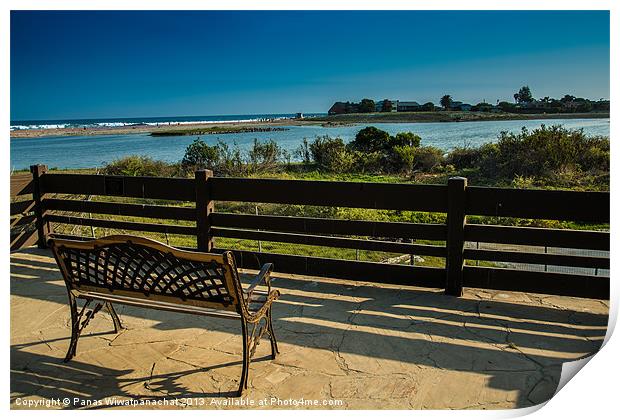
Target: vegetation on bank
{"x":201,"y":131}
{"x":524,"y":103}
{"x":444,"y":116}
{"x":546,"y":157}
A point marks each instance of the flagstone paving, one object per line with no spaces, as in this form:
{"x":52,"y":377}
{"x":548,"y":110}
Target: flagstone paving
{"x":344,"y":344}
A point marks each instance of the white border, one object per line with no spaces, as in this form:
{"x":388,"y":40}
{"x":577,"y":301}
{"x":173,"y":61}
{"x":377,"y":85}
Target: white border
{"x":591,"y":395}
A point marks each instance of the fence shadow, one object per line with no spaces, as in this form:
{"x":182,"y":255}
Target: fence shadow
{"x":518,"y":345}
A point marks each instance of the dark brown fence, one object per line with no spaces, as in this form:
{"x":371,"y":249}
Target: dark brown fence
{"x":456,"y":200}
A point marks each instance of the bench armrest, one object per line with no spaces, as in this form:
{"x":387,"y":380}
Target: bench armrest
{"x":262,"y":277}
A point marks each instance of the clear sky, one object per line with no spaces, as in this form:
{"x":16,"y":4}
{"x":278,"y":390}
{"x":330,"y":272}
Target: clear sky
{"x":139,"y":64}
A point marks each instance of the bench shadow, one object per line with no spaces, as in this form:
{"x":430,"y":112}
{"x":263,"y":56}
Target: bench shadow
{"x":391,"y":323}
{"x":38,"y":376}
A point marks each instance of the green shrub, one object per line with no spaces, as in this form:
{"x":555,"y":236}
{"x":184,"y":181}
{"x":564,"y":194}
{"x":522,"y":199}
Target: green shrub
{"x":427,"y":158}
{"x":230,"y":161}
{"x":546,"y":151}
{"x":367,"y":162}
{"x":222,"y":158}
{"x":331,"y":154}
{"x":466,"y":157}
{"x":265,"y":156}
{"x":403,"y":158}
{"x":139,"y":166}
{"x":370,"y":139}
{"x":405,"y":139}
{"x":199,"y":155}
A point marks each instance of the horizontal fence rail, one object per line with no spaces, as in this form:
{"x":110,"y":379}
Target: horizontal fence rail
{"x":352,"y":270}
{"x":538,"y":204}
{"x":367,"y":195}
{"x":193,"y":213}
{"x":178,"y":189}
{"x":563,"y":238}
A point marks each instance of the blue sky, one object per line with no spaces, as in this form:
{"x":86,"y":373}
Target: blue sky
{"x":133,"y":64}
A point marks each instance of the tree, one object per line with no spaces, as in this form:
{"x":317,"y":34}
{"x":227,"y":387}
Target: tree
{"x":524,"y":95}
{"x":446,"y":101}
{"x":370,"y":139}
{"x":482,"y":107}
{"x":506,"y":106}
{"x":429,"y":106}
{"x":406,"y":138}
{"x":367,"y":105}
{"x":567,"y":98}
{"x":387,"y":106}
{"x":200,"y":155}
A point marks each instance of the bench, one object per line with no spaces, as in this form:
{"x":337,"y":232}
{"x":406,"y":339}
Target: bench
{"x":136,"y":271}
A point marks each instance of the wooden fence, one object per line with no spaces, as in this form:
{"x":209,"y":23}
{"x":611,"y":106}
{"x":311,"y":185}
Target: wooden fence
{"x":456,"y":199}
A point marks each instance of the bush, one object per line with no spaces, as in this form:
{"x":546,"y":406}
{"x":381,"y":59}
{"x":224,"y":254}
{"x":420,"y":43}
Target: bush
{"x":370,"y":139}
{"x":229,"y":161}
{"x":264,"y":157}
{"x":303,"y":152}
{"x":221,"y":158}
{"x":548,"y":150}
{"x":139,"y":166}
{"x":403,"y":158}
{"x":427,"y":158}
{"x":331,"y":154}
{"x":467,"y":157}
{"x":199,"y":155}
{"x":405,"y":139}
{"x":552,"y":153}
{"x":369,"y":162}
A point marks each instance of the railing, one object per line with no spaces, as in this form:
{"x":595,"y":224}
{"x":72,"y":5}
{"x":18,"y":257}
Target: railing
{"x":456,"y":200}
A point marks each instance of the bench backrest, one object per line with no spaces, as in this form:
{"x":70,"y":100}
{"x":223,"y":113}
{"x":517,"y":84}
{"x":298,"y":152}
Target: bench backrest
{"x":142,"y":268}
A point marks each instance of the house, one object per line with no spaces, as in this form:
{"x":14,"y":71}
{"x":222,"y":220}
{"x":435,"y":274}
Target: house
{"x":408,"y":106}
{"x":386,"y":105}
{"x":460,"y":106}
{"x":343,"y":108}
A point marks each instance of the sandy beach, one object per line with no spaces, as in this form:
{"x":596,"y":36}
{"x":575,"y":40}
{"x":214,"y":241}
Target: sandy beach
{"x":144,"y":128}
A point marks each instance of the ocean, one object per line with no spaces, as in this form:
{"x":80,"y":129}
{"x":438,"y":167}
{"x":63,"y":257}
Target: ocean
{"x":123,"y":122}
{"x":96,"y":151}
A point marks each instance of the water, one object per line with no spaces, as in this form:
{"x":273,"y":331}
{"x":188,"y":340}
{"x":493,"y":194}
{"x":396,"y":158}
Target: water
{"x":94,"y":151}
{"x":122,"y":122}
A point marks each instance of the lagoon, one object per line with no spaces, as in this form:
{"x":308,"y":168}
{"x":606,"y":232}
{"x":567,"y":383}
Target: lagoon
{"x":76,"y":152}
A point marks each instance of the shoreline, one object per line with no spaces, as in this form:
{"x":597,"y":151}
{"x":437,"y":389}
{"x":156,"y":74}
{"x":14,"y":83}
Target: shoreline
{"x":326,"y":121}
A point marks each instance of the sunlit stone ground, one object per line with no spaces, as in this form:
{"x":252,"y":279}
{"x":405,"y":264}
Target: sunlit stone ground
{"x":352,"y":344}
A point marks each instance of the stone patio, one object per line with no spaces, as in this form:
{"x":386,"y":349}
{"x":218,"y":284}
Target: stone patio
{"x":350,"y":344}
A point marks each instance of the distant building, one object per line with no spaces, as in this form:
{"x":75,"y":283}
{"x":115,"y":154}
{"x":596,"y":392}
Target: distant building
{"x":343,"y":108}
{"x":408,"y":106}
{"x":460,"y":106}
{"x":386,"y":105}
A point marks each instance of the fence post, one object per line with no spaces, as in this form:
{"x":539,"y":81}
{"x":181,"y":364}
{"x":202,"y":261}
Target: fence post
{"x":456,"y":235}
{"x":204,"y":207}
{"x":43,"y":229}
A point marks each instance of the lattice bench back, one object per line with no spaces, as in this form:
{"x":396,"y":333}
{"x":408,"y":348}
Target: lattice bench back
{"x":142,"y":268}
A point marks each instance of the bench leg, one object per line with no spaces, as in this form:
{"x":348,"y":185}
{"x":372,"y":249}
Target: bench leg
{"x":272,"y":336}
{"x":246,"y":359}
{"x":74,"y":328}
{"x":115,"y":319}
{"x":77,"y":324}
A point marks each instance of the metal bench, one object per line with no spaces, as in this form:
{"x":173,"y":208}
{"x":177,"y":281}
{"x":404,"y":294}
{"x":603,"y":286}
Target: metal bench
{"x":131,"y":270}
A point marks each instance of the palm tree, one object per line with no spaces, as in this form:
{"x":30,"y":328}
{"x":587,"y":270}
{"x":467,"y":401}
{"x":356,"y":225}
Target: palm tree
{"x":446,"y":101}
